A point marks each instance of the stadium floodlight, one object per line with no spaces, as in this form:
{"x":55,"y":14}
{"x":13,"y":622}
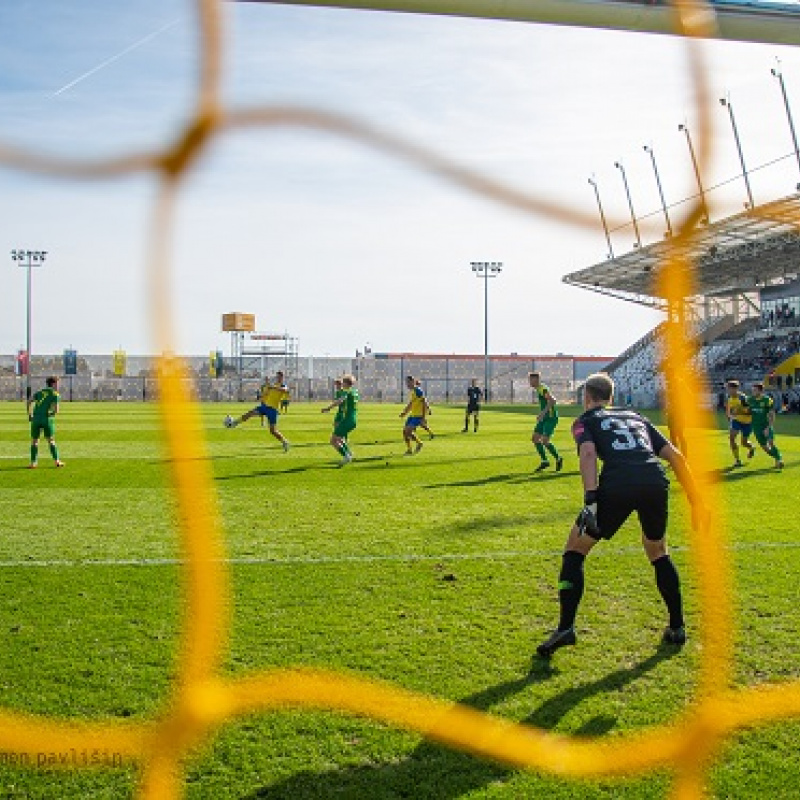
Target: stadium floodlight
{"x":649,"y":150}
{"x":486,"y":270}
{"x":725,"y":102}
{"x":593,"y":182}
{"x":619,"y":166}
{"x":685,"y":129}
{"x":28,"y":259}
{"x":776,"y":73}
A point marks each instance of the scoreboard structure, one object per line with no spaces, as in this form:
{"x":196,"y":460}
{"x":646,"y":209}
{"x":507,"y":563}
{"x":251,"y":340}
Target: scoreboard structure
{"x":256,"y":351}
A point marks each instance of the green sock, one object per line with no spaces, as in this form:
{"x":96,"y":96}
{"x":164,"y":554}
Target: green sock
{"x":540,"y":451}
{"x":345,"y":449}
{"x":551,"y":448}
{"x":54,"y":451}
{"x":34,"y":453}
{"x":776,"y":454}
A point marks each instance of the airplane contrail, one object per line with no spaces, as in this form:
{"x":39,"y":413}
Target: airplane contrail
{"x":114,"y":58}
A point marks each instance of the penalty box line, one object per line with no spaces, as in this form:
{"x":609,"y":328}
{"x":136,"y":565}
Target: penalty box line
{"x":364,"y":559}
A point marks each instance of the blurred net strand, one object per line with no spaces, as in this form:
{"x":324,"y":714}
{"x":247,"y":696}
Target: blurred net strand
{"x":200,"y":700}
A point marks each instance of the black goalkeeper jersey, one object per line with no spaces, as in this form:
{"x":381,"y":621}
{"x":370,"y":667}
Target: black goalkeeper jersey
{"x":626,"y":443}
{"x":474,"y":394}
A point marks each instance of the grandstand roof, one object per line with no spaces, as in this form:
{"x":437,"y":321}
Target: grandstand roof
{"x":513,"y":357}
{"x":742,"y":253}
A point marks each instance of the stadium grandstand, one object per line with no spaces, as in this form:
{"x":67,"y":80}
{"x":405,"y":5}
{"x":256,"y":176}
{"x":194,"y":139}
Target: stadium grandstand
{"x":744,"y":315}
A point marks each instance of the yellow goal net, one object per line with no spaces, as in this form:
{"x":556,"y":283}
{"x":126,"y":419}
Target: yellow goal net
{"x":201,"y":698}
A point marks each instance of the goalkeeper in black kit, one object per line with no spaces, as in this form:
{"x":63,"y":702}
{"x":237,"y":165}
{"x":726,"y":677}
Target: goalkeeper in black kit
{"x":474,"y":395}
{"x":632,"y":479}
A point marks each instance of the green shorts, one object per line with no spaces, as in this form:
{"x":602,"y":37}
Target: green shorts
{"x":46,"y":428}
{"x":546,"y":426}
{"x":758,"y":432}
{"x":343,"y":428}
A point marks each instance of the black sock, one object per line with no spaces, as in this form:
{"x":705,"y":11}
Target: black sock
{"x":570,"y":588}
{"x":669,"y":584}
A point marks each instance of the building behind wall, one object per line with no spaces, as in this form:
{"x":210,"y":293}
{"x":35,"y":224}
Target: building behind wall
{"x":380,"y":376}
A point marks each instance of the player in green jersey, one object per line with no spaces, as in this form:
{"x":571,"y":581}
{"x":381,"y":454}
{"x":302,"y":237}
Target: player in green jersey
{"x":762,"y":409}
{"x":546,"y":423}
{"x":338,"y":395}
{"x":42,"y":409}
{"x":346,"y":419}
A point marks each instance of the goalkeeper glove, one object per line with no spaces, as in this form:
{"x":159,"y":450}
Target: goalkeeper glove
{"x":587,"y":518}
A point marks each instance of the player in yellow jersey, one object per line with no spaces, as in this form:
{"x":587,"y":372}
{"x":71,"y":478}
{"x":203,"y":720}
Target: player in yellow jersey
{"x":740,"y":421}
{"x":272,"y":394}
{"x":416,"y":408}
{"x":426,"y":411}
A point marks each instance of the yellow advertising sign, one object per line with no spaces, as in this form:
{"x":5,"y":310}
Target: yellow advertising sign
{"x":120,"y":363}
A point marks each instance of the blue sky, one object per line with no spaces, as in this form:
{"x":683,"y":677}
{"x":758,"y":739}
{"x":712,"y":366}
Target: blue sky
{"x":337,"y":244}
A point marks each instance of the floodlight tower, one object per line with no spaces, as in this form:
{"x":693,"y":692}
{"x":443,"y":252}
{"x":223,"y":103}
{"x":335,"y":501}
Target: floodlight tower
{"x":703,"y":205}
{"x":593,"y":183}
{"x":486,"y":270}
{"x":725,"y":102}
{"x":28,"y":259}
{"x":649,"y":150}
{"x":619,"y":166}
{"x":779,"y":75}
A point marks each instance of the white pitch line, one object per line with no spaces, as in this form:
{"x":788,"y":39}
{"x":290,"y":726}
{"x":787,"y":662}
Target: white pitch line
{"x":367,"y":559}
{"x":114,"y":58}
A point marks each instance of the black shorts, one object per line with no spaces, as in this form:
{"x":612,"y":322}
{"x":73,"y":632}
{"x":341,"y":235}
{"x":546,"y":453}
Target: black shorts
{"x":614,"y":506}
{"x":471,"y":409}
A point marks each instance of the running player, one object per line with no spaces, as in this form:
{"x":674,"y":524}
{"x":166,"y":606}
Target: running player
{"x":546,"y":423}
{"x":427,"y":410}
{"x":416,"y":408}
{"x":344,"y":423}
{"x":474,"y":395}
{"x":740,"y":421}
{"x":631,"y":479}
{"x":271,"y":396}
{"x":42,"y":410}
{"x":762,"y":408}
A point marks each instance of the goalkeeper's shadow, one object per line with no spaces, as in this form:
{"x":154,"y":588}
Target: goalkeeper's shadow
{"x":436,"y":772}
{"x":549,"y":713}
{"x":431,"y":770}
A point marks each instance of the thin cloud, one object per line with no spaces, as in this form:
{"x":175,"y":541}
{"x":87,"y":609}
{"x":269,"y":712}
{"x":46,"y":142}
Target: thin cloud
{"x":121,"y":54}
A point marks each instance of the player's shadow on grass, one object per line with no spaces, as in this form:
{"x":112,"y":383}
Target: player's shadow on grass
{"x":728,"y":474}
{"x":551,"y":711}
{"x":321,"y":465}
{"x":269,"y":473}
{"x":508,"y":477}
{"x":480,"y":525}
{"x":435,"y":772}
{"x":430,"y":771}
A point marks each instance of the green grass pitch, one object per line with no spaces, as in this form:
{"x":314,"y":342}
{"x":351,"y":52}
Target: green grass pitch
{"x":436,"y":572}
